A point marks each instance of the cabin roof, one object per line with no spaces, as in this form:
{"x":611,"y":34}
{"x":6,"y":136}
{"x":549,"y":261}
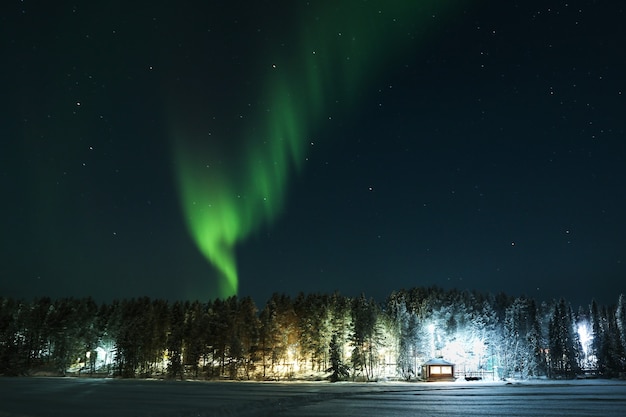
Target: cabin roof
{"x":438,"y":361}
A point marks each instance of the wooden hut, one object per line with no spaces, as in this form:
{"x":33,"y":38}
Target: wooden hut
{"x":438,"y":369}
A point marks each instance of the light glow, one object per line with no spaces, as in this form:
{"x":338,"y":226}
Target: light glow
{"x":585,"y":335}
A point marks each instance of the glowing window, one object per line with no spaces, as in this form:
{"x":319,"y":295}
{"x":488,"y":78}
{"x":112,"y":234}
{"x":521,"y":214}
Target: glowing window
{"x":435,"y":370}
{"x":446,"y":370}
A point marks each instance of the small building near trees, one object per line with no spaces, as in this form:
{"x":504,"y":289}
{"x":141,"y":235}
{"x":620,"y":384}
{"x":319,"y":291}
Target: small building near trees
{"x":438,"y":369}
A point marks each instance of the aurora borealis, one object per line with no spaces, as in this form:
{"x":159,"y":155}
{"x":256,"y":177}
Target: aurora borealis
{"x":199,"y":150}
{"x":340,"y":48}
{"x":223,"y":203}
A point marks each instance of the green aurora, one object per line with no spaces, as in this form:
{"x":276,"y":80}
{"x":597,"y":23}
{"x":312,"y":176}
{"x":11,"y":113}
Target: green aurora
{"x":342,"y":47}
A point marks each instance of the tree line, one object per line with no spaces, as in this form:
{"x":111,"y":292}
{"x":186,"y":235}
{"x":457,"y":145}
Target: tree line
{"x":314,"y":336}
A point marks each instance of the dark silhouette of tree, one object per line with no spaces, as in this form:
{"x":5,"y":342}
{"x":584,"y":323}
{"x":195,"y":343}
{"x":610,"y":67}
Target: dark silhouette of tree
{"x":620,"y":319}
{"x":612,"y":356}
{"x":599,"y":338}
{"x":244,"y":339}
{"x":69,"y":322}
{"x":533,"y":358}
{"x":220,"y":323}
{"x":564,"y":349}
{"x":88,"y":332}
{"x":364,"y":336}
{"x":11,"y":351}
{"x":196,"y":336}
{"x":175,"y":367}
{"x":135,"y":327}
{"x":36,"y":334}
{"x":338,"y":371}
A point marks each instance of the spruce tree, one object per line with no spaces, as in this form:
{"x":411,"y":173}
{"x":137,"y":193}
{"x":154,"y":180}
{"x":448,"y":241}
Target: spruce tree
{"x":338,"y":370}
{"x":175,"y":342}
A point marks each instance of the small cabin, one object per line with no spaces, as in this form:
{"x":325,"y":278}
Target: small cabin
{"x":438,"y":369}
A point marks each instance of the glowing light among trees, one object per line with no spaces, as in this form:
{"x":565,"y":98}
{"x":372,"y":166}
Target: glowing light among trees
{"x":315,"y":335}
{"x":585,"y":335}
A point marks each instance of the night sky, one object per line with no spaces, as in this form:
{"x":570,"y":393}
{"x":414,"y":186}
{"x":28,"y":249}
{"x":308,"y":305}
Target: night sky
{"x":191,"y":150}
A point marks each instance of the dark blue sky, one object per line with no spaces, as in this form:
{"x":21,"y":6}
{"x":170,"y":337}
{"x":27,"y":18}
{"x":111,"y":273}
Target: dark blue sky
{"x":488,"y":153}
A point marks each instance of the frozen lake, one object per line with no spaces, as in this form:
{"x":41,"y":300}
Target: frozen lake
{"x":71,"y":397}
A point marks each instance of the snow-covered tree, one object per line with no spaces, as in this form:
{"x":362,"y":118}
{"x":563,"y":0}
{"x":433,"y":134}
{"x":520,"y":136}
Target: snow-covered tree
{"x":405,"y":327}
{"x":522,"y":338}
{"x":620,"y":319}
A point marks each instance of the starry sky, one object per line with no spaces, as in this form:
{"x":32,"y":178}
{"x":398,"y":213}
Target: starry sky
{"x":192,"y":150}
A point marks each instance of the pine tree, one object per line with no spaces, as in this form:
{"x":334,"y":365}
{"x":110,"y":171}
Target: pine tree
{"x":534,"y":358}
{"x":338,"y":370}
{"x":404,"y":326}
{"x":612,"y":353}
{"x":36,"y":335}
{"x":364,"y":336}
{"x":11,"y":360}
{"x":620,"y":318}
{"x":564,"y":349}
{"x":175,"y":367}
{"x":195,"y":337}
{"x":314,"y":330}
{"x":598,"y":340}
{"x":246,"y":336}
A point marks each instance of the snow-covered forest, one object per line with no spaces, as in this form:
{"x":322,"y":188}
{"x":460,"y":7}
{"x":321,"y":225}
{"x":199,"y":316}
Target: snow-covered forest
{"x":314,"y":336}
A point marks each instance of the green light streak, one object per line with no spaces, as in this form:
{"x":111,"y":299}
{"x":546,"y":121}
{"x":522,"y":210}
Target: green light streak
{"x":342,"y":46}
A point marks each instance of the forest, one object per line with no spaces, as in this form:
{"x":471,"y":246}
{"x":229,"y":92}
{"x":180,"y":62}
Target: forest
{"x":314,"y":337}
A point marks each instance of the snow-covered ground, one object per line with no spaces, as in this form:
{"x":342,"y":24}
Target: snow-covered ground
{"x":38,"y":397}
